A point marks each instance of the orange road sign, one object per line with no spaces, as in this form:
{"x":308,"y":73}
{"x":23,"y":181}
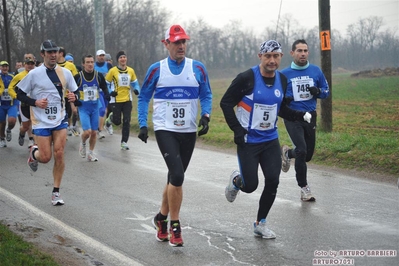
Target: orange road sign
{"x":325,"y":40}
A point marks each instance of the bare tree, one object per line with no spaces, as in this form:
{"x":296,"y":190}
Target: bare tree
{"x":137,"y":26}
{"x":288,"y":29}
{"x":362,"y":36}
{"x":387,"y":43}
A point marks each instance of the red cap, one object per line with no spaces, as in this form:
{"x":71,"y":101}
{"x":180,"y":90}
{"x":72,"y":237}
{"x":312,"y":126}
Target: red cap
{"x":175,"y":33}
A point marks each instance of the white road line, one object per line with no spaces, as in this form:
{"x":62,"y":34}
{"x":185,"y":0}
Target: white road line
{"x":112,"y":256}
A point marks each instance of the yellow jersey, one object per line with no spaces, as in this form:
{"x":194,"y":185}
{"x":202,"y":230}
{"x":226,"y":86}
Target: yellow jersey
{"x":122,"y":80}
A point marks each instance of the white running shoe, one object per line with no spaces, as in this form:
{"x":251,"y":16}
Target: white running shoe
{"x":82,"y":150}
{"x":3,"y":143}
{"x":286,"y":162}
{"x":91,"y":157}
{"x":109,"y":129}
{"x":124,"y":146}
{"x":261,"y":230}
{"x":100,"y":134}
{"x":306,"y":194}
{"x":231,"y":190}
{"x":56,"y":199}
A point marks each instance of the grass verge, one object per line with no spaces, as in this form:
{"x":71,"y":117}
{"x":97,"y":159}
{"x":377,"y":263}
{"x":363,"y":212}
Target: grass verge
{"x":15,"y":251}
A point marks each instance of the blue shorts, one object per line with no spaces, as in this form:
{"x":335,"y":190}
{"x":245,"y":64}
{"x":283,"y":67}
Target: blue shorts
{"x":46,"y":132}
{"x":10,"y":110}
{"x":89,"y":115}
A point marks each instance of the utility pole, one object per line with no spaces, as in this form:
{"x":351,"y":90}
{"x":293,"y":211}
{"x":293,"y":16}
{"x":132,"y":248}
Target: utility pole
{"x":6,"y":27}
{"x":325,"y":48}
{"x":98,"y":24}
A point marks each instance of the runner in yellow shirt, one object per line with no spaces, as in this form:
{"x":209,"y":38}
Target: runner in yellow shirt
{"x":125,"y":83}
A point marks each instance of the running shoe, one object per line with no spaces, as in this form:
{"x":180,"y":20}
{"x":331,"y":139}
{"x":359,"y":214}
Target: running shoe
{"x":306,"y":194}
{"x":32,"y":163}
{"x":69,"y":131}
{"x":91,"y":157}
{"x":162,"y":229}
{"x":3,"y":143}
{"x":261,"y":230}
{"x":21,"y":140}
{"x":100,"y":134}
{"x":231,"y":190}
{"x":56,"y":199}
{"x":286,"y":162}
{"x":124,"y":146}
{"x":175,"y":239}
{"x":108,"y":121}
{"x":82,"y":150}
{"x":75,"y":131}
{"x":31,"y":143}
{"x":8,"y":135}
{"x":109,"y":129}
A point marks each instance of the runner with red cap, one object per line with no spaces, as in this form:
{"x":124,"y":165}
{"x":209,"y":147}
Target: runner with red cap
{"x":176,"y":83}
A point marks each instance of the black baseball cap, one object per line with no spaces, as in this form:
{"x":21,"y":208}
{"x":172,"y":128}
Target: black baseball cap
{"x":29,"y":60}
{"x":49,"y":45}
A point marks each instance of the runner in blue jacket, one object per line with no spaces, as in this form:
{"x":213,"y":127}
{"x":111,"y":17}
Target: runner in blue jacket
{"x":306,"y":83}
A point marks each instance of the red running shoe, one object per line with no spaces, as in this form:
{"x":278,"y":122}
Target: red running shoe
{"x":175,"y":239}
{"x":162,"y":229}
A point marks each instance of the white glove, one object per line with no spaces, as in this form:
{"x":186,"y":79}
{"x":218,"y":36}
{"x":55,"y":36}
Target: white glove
{"x":307,"y":117}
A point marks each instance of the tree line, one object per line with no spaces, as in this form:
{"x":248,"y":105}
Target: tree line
{"x":137,"y":26}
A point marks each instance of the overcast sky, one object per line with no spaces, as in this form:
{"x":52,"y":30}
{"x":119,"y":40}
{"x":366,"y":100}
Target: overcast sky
{"x":259,"y":14}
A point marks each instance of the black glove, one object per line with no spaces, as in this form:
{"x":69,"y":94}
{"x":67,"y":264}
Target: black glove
{"x":288,"y":100}
{"x":204,"y":124}
{"x":136,"y":92}
{"x":314,"y":90}
{"x":114,"y":93}
{"x":143,"y":135}
{"x":77,"y":103}
{"x":239,"y":136}
{"x":107,"y":97}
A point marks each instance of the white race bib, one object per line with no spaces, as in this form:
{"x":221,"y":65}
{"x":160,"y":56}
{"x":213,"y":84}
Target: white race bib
{"x":90,"y":93}
{"x":178,"y":114}
{"x":264,"y":116}
{"x":5,"y":96}
{"x":300,"y":88}
{"x":123,"y":80}
{"x":52,"y":112}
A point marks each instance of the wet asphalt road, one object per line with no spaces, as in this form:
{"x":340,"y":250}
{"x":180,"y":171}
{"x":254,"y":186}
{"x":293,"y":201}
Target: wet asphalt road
{"x":109,"y":205}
